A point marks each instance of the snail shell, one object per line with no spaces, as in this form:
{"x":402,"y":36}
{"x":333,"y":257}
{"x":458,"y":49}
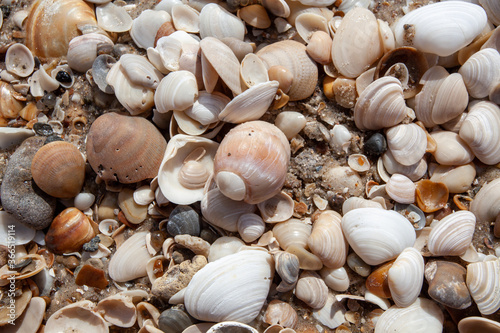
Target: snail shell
{"x":251,"y":162}
{"x":58,"y":169}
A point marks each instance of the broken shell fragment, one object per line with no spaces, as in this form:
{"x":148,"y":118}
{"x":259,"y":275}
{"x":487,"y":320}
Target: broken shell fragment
{"x":76,"y":316}
{"x":431,"y":196}
{"x":276,"y":209}
{"x":118,"y":310}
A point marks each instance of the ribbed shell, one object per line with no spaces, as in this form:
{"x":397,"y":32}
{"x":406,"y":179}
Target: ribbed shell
{"x":453,"y":234}
{"x":234,"y":287}
{"x":481,"y":72}
{"x":292,"y":232}
{"x":486,"y":204}
{"x":217,"y":22}
{"x":407,"y":143}
{"x":406,"y":277}
{"x":311,"y":289}
{"x":483,"y":281}
{"x":335,"y":278}
{"x":414,"y":171}
{"x":250,"y":227}
{"x":176,"y":91}
{"x":129,"y":261}
{"x":401,"y":189}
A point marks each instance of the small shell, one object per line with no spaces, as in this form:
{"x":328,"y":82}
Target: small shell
{"x":69,"y":231}
{"x":290,"y":122}
{"x":431,"y":196}
{"x":356,"y":202}
{"x":207,"y":107}
{"x":176,"y":91}
{"x":451,"y":149}
{"x":292,"y":232}
{"x":145,"y":26}
{"x":230,"y":326}
{"x":414,"y":171}
{"x":76,"y":316}
{"x":457,"y":179}
{"x":473,"y":324}
{"x":311,"y":289}
{"x":224,"y":246}
{"x":19,"y":60}
{"x":277,"y":7}
{"x":113,"y":18}
{"x":486,"y":204}
{"x":406,"y":277}
{"x":279,"y":312}
{"x":217,"y":22}
{"x":277,"y":209}
{"x":83,"y":50}
{"x":133,"y":212}
{"x":118,"y":310}
{"x":185,"y":18}
{"x":336,"y":279}
{"x":308,"y":23}
{"x":129,"y":261}
{"x":401,"y":189}
{"x":140,"y":71}
{"x":483,"y":281}
{"x":283,"y":75}
{"x":358,"y":162}
{"x":252,"y":70}
{"x":250,"y":227}
{"x":108,"y":226}
{"x":256,"y":16}
{"x":481,"y":72}
{"x":407,"y":143}
{"x":287,"y":267}
{"x":147,"y":311}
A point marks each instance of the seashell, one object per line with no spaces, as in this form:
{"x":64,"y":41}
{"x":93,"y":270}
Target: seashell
{"x":234,"y":287}
{"x":293,"y":56}
{"x":133,"y":212}
{"x":32,"y":317}
{"x":145,"y":26}
{"x":181,"y":123}
{"x":342,"y":90}
{"x":287,"y":267}
{"x":296,"y":8}
{"x":224,"y":246}
{"x":240,"y":168}
{"x":358,"y":162}
{"x":113,"y":18}
{"x":176,"y":91}
{"x":207,"y":107}
{"x":380,"y":105}
{"x":347,"y":5}
{"x":183,"y":220}
{"x":492,"y":10}
{"x":76,"y":316}
{"x":292,"y":232}
{"x":431,"y":196}
{"x":356,"y":202}
{"x":147,"y":311}
{"x":332,"y":314}
{"x":472,"y":324}
{"x":252,"y":70}
{"x":479,"y":132}
{"x":64,"y":75}
{"x":342,"y":179}
{"x":282,"y":313}
{"x":358,"y":265}
{"x":70,"y":18}
{"x":140,"y":71}
{"x":406,"y":276}
{"x":307,"y":260}
{"x":41,"y":82}
{"x":230,"y":326}
{"x":283,"y":75}
{"x":319,"y":47}
{"x":335,"y":278}
{"x":308,"y":23}
{"x":116,"y":144}
{"x":327,"y":241}
{"x":311,"y":289}
{"x":185,"y":18}
{"x":377,"y":235}
{"x":340,"y":137}
{"x":401,"y":189}
{"x":117,"y":310}
{"x":457,"y":179}
{"x":10,"y":107}
{"x":240,"y":48}
{"x":69,"y":231}
{"x":186,"y":166}
{"x":250,"y":227}
{"x":290,"y":123}
{"x":276,"y":209}
{"x":222,"y":211}
{"x":451,"y":149}
{"x":19,"y":60}
{"x":481,"y":72}
{"x":414,"y":171}
{"x":422,"y":316}
{"x":144,"y":195}
{"x":24,"y":234}
{"x":108,"y":226}
{"x":440,"y":28}
{"x":130,"y":259}
{"x":100,"y":69}
{"x":414,"y":214}
{"x":405,"y":138}
{"x":447,"y":284}
{"x":483,"y":281}
{"x":217,"y":22}
{"x":255,"y":16}
{"x":279,"y":8}
{"x":485,"y":205}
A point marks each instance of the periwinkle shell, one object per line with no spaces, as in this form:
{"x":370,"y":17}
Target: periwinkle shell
{"x":183,"y":220}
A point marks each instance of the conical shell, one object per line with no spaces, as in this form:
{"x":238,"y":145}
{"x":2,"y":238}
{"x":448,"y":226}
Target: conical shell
{"x":483,"y":281}
{"x":407,"y":143}
{"x":452,"y":235}
{"x":406,"y":276}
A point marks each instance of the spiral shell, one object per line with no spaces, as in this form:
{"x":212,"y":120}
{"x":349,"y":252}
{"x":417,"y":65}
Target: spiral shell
{"x":483,"y":281}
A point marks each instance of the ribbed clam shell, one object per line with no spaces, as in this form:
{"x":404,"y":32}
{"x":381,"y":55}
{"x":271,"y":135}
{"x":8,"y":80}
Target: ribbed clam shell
{"x":19,"y":60}
{"x":414,"y":171}
{"x":250,"y":227}
{"x":356,"y":44}
{"x":140,"y":71}
{"x":336,"y":279}
{"x":481,"y":72}
{"x":483,"y":281}
{"x":207,"y":107}
{"x":486,"y":204}
{"x":481,"y":131}
{"x":250,"y":104}
{"x":113,"y":18}
{"x":327,"y":241}
{"x":407,"y":143}
{"x":380,"y":105}
{"x":492,"y":9}
{"x":451,"y":149}
{"x":277,"y":7}
{"x":185,"y":18}
{"x":311,"y":289}
{"x":401,"y":189}
{"x":453,"y":234}
{"x":293,"y":56}
{"x":356,"y":202}
{"x":423,"y":316}
{"x":440,"y":28}
{"x":406,"y":276}
{"x":145,"y":26}
{"x":130,"y":259}
{"x":377,"y":235}
{"x":292,"y":232}
{"x":234,"y":287}
{"x":217,"y":22}
{"x":176,"y":91}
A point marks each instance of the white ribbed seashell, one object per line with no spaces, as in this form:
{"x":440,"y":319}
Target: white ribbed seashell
{"x":336,"y":279}
{"x":253,"y":70}
{"x":140,"y":71}
{"x":19,"y":60}
{"x":311,"y":289}
{"x":423,"y":316}
{"x":118,"y":310}
{"x":276,"y":209}
{"x":217,"y":22}
{"x":457,"y":179}
{"x":175,"y":48}
{"x":451,"y":149}
{"x":327,"y":241}
{"x":292,"y":232}
{"x":185,"y":18}
{"x":234,"y":287}
{"x":146,"y":25}
{"x":483,"y":281}
{"x":377,"y":235}
{"x":207,"y":107}
{"x":129,"y":261}
{"x":406,"y":276}
{"x":308,"y":23}
{"x":492,"y":9}
{"x":481,"y":131}
{"x":440,"y":28}
{"x":250,"y":227}
{"x":380,"y":105}
{"x":357,"y":202}
{"x":414,"y":171}
{"x":486,"y":204}
{"x":144,"y":195}
{"x":113,"y":18}
{"x":176,"y":91}
{"x":452,"y":235}
{"x":224,"y":246}
{"x":82,"y":50}
{"x":481,"y":72}
{"x":76,"y":316}
{"x":356,"y":44}
{"x":407,"y":143}
{"x":250,"y":104}
{"x":401,"y":189}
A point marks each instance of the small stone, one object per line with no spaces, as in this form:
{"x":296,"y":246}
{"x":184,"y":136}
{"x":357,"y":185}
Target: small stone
{"x":447,"y":284}
{"x":20,"y":195}
{"x":93,"y":245}
{"x":52,"y":138}
{"x":43,"y":129}
{"x":183,"y":220}
{"x":177,"y":277}
{"x":376,"y":145}
{"x":91,"y":276}
{"x":195,"y":244}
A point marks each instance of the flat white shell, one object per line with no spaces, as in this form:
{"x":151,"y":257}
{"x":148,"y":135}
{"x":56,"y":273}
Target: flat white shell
{"x":113,"y":18}
{"x":129,"y":261}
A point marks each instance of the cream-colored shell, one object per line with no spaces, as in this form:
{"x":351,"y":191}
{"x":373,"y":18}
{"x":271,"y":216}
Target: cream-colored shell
{"x":481,"y":72}
{"x":407,"y":143}
{"x":19,"y":60}
{"x":406,"y":276}
{"x":140,"y":71}
{"x":414,"y":171}
{"x":483,"y":281}
{"x":311,"y":289}
{"x":492,"y":9}
{"x":217,"y":22}
{"x":453,"y":234}
{"x":356,"y":202}
{"x":250,"y":227}
{"x":176,"y":91}
{"x":276,"y":209}
{"x":185,"y":18}
{"x":77,"y":316}
{"x":207,"y":107}
{"x":308,"y":23}
{"x":401,"y":189}
{"x":457,"y":179}
{"x":486,"y":204}
{"x":82,"y":50}
{"x":146,"y":25}
{"x":130,"y":259}
{"x":319,"y":47}
{"x":336,"y":279}
{"x":113,"y":18}
{"x":177,"y":49}
{"x":118,"y":310}
{"x":451,"y":149}
{"x":292,"y":232}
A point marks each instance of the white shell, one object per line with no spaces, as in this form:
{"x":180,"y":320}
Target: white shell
{"x":234,"y":287}
{"x":311,"y":289}
{"x":292,"y":232}
{"x":457,"y":179}
{"x":19,"y":60}
{"x":207,"y":107}
{"x":407,"y":143}
{"x":217,"y":22}
{"x":406,"y":276}
{"x":118,"y":310}
{"x":41,"y":82}
{"x":82,"y":50}
{"x":336,"y":279}
{"x":250,"y":227}
{"x":451,"y":149}
{"x":140,"y":71}
{"x":307,"y":23}
{"x":453,"y":234}
{"x":113,"y":18}
{"x":481,"y":72}
{"x":144,"y":195}
{"x":414,"y":171}
{"x":401,"y":189}
{"x":377,"y":235}
{"x":146,"y":25}
{"x":253,"y":70}
{"x":185,"y":18}
{"x":290,"y":122}
{"x":276,"y":209}
{"x":77,"y":316}
{"x":108,"y":226}
{"x":483,"y":281}
{"x":129,"y":261}
{"x":492,"y":9}
{"x":22,"y":234}
{"x":486,"y":204}
{"x":179,"y":50}
{"x":176,"y":91}
{"x":224,"y":246}
{"x":441,"y":28}
{"x":332,"y":313}
{"x":356,"y":202}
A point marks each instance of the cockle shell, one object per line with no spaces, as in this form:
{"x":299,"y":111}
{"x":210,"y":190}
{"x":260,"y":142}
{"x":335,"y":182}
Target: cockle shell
{"x":406,"y":276}
{"x":377,"y":235}
{"x":483,"y":281}
{"x":407,"y":143}
{"x":451,"y":149}
{"x":292,"y":232}
{"x":401,"y":189}
{"x":76,"y":316}
{"x":251,"y":162}
{"x":145,"y":26}
{"x":217,"y":22}
{"x":130,"y":259}
{"x":486,"y":204}
{"x":481,"y":72}
{"x":234,"y":287}
{"x":440,"y":28}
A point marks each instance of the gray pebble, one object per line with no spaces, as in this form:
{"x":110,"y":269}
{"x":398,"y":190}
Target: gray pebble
{"x":447,"y":284}
{"x":183,"y":220}
{"x":20,"y":195}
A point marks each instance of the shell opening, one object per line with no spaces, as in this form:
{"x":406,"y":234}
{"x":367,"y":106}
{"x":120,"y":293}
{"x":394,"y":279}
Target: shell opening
{"x":231,"y":185}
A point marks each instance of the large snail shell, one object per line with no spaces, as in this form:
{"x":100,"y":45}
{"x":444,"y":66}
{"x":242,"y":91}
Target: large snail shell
{"x":58,"y":169}
{"x":483,"y":281}
{"x":124,"y":149}
{"x":251,"y":162}
{"x":52,"y":24}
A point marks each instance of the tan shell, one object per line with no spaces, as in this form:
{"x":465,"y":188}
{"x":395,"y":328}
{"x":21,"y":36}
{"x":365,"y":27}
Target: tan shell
{"x":319,"y":47}
{"x":83,"y":50}
{"x":281,"y":312}
{"x":451,"y":149}
{"x":486,"y":204}
{"x":276,"y":209}
{"x":10,"y":107}
{"x":115,"y":144}
{"x":453,"y":234}
{"x":483,"y":281}
{"x":457,"y":179}
{"x":19,"y":60}
{"x":118,"y":310}
{"x":76,"y":316}
{"x":431,"y":196}
{"x":256,"y":16}
{"x":311,"y":289}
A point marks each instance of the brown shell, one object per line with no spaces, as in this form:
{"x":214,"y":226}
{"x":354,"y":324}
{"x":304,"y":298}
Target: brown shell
{"x":69,"y":231}
{"x":431,"y":196}
{"x":51,"y":24}
{"x":58,"y":168}
{"x":10,"y":106}
{"x":124,"y":149}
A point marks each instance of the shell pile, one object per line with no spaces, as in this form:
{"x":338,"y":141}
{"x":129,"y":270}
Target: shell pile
{"x":250,"y":166}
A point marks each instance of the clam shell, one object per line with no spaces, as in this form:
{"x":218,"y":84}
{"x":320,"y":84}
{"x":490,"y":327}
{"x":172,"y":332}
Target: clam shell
{"x":440,"y":28}
{"x":319,"y":47}
{"x":253,"y":70}
{"x":290,"y":122}
{"x":451,"y":149}
{"x":255,"y":16}
{"x":175,"y":48}
{"x":250,"y":227}
{"x":486,"y":205}
{"x":176,"y":91}
{"x":140,"y":71}
{"x":414,"y":171}
{"x":277,"y":209}
{"x":24,"y":234}
{"x":121,"y":267}
{"x":356,"y":202}
{"x":377,"y":235}
{"x":185,"y":18}
{"x":336,"y":279}
{"x":224,"y":246}
{"x":481,"y":72}
{"x":279,"y":8}
{"x":311,"y":289}
{"x":407,"y":143}
{"x":41,"y":82}
{"x":401,"y":189}
{"x":308,"y":23}
{"x":457,"y":179}
{"x":483,"y":281}
{"x":77,"y":316}
{"x":287,"y":267}
{"x":406,"y":276}
{"x":19,"y":60}
{"x":292,"y":232}
{"x":492,"y":9}
{"x":332,"y":314}
{"x":471,"y":324}
{"x":217,"y":22}
{"x":83,"y":50}
{"x":113,"y":18}
{"x":118,"y":310}
{"x":145,"y":26}
{"x":207,"y":107}
{"x":431,"y":196}
{"x":281,"y":312}
{"x":234,"y":287}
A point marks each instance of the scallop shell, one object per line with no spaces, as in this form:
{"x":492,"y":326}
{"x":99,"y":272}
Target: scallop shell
{"x":217,"y":22}
{"x":481,"y":72}
{"x":234,"y":287}
{"x":19,"y":60}
{"x":130,"y":259}
{"x":486,"y":204}
{"x":451,"y":149}
{"x":77,"y":316}
{"x":483,"y":281}
{"x":406,"y":276}
{"x":311,"y":289}
{"x":407,"y":143}
{"x":401,"y":189}
{"x":440,"y":28}
{"x":292,"y":232}
{"x":377,"y":235}
{"x":145,"y":26}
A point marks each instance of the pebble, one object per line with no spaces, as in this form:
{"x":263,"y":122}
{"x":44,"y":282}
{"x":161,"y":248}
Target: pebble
{"x":378,"y":283}
{"x":183,"y":220}
{"x":20,"y":196}
{"x":43,"y":129}
{"x":376,"y":145}
{"x":447,"y":284}
{"x":358,"y":265}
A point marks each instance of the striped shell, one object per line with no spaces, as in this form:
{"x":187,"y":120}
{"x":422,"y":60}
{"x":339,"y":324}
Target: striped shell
{"x":406,"y":276}
{"x":453,"y":234}
{"x":483,"y":281}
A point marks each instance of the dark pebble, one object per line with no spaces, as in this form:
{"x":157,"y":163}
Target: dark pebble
{"x":52,"y":138}
{"x":63,"y":76}
{"x":376,"y":145}
{"x":93,"y":245}
{"x":43,"y":129}
{"x":183,"y":220}
{"x":447,"y":284}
